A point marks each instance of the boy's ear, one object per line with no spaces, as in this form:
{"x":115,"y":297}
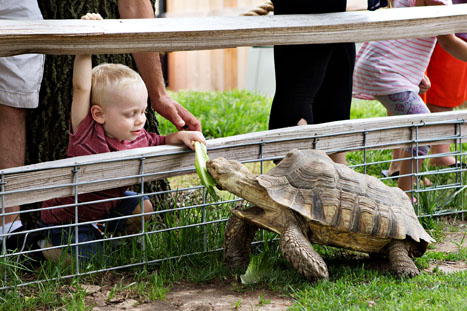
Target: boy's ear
{"x":97,"y":114}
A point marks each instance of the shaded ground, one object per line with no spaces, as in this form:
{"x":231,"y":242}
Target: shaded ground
{"x":223,"y":296}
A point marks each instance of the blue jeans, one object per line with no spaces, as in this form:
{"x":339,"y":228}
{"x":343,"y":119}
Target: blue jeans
{"x":87,"y":233}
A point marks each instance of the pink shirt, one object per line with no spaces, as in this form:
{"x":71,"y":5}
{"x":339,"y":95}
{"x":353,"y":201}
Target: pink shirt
{"x":90,"y":139}
{"x":392,"y":66}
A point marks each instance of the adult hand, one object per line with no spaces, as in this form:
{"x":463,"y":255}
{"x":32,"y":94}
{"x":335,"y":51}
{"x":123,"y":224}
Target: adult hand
{"x":149,"y":67}
{"x":176,"y":113}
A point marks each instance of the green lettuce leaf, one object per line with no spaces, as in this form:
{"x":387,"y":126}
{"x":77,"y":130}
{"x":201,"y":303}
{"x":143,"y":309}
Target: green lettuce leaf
{"x":201,"y":157}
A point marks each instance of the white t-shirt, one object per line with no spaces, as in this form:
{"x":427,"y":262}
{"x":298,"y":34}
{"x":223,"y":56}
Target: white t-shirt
{"x":20,"y":75}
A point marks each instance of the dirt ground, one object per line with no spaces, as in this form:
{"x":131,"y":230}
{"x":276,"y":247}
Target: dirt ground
{"x":191,"y":297}
{"x":222,"y":296}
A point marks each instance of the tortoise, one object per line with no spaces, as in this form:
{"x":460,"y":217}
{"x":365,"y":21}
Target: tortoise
{"x":307,"y":198}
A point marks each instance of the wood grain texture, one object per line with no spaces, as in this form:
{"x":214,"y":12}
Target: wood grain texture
{"x":181,"y":34}
{"x":34,"y":183}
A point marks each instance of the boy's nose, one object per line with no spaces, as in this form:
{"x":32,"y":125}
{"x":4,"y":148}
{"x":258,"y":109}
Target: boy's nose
{"x":141,"y":119}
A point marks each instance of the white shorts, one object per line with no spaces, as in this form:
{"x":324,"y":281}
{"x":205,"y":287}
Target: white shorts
{"x":20,"y":75}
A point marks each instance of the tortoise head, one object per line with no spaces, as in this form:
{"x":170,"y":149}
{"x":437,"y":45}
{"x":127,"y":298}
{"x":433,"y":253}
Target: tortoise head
{"x":226,"y":172}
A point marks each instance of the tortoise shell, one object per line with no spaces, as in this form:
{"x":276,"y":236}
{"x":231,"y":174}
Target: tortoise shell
{"x":342,"y":207}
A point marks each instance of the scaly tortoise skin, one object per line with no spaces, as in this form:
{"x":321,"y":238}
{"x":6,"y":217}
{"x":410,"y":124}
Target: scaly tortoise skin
{"x":307,"y":198}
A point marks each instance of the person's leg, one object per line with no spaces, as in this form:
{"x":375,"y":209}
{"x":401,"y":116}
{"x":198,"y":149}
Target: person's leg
{"x":299,"y":73}
{"x":334,"y":98}
{"x":395,"y":166}
{"x":12,"y":149}
{"x":65,"y":237}
{"x":445,"y":148}
{"x":134,"y":224}
{"x":299,"y":69}
{"x":129,"y":206}
{"x":405,"y":103}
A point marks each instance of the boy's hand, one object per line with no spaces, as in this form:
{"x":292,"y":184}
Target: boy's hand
{"x":92,"y":16}
{"x":185,"y":137}
{"x":376,"y":4}
{"x":424,"y":85}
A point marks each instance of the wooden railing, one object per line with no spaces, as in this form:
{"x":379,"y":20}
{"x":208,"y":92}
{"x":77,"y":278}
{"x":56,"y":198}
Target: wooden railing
{"x":181,"y":34}
{"x":46,"y":180}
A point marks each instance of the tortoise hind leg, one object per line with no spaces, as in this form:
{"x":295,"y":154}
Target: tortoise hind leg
{"x":237,"y":242}
{"x":401,"y":263}
{"x":299,"y":252}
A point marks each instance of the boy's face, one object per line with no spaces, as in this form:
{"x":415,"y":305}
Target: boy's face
{"x":123,"y":111}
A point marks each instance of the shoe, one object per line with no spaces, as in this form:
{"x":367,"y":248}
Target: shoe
{"x":385,"y":173}
{"x":27,"y":242}
{"x":426,"y":182}
{"x":458,"y":165}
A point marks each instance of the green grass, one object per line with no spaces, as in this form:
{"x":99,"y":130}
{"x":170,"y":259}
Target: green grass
{"x":223,"y":114}
{"x":353,"y":284}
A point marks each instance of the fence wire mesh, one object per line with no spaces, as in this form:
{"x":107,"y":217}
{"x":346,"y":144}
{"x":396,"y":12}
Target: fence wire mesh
{"x":185,"y":220}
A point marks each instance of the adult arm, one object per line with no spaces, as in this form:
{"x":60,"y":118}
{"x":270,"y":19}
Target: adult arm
{"x":149,"y":66}
{"x":454,"y":46}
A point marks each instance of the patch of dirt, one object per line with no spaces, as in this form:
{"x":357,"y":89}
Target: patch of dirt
{"x":227,"y":296}
{"x":192,"y":297}
{"x":447,"y":267}
{"x":452,"y":242}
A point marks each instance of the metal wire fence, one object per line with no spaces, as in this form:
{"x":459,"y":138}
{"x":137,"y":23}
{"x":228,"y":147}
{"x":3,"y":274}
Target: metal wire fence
{"x":188,"y":222}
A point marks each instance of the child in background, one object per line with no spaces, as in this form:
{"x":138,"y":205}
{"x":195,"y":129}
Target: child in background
{"x":107,"y":114}
{"x":391,"y":72}
{"x":448,"y":90}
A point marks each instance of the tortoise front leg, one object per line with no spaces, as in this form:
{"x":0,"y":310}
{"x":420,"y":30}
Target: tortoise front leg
{"x":299,"y":252}
{"x":401,"y":263}
{"x":237,"y":242}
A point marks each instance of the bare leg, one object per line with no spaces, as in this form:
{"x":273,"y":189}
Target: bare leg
{"x":441,"y":161}
{"x":302,"y":122}
{"x":133,"y":224}
{"x":401,"y":263}
{"x":395,"y":166}
{"x":54,"y":255}
{"x":336,"y":157}
{"x":12,"y":144}
{"x":237,"y":242}
{"x":300,"y":253}
{"x":406,"y":183}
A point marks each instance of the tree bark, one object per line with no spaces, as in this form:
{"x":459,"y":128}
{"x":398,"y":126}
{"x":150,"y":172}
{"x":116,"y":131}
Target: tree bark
{"x":48,"y":125}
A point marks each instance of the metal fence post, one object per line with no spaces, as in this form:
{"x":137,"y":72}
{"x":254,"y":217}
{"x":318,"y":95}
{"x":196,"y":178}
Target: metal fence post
{"x":75,"y":187}
{"x":141,"y":203}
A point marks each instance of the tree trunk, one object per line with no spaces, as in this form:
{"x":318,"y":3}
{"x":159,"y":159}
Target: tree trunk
{"x":47,"y":130}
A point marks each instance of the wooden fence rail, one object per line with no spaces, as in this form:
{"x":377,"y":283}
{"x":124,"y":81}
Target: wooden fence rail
{"x":42,"y":181}
{"x":46,"y":180}
{"x":181,"y":34}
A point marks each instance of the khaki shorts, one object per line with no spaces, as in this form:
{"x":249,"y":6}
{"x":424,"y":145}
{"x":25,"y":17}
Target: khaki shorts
{"x":20,"y":75}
